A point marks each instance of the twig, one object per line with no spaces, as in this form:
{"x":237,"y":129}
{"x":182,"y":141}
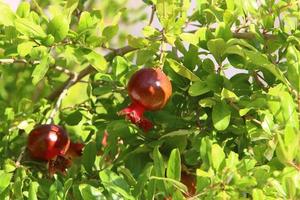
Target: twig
{"x":246,"y":116}
{"x":152,"y":15}
{"x":89,"y":70}
{"x":256,"y":76}
{"x":73,"y":78}
{"x":18,"y":162}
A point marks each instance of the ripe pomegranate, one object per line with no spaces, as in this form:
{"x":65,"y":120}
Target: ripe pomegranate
{"x":47,"y":141}
{"x":149,"y":90}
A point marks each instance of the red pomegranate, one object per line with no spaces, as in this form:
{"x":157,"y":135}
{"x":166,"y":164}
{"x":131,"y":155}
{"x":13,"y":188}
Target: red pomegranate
{"x":45,"y":142}
{"x":149,"y":90}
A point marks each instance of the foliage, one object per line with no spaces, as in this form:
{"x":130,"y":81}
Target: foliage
{"x":237,"y":134}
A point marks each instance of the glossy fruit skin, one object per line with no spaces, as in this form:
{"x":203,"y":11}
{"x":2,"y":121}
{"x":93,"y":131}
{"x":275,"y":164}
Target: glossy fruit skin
{"x":47,"y":141}
{"x":150,"y":88}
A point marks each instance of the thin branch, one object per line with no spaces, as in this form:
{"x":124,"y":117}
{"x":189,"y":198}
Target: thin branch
{"x":72,"y":80}
{"x":249,"y":117}
{"x":152,"y":15}
{"x":89,"y":70}
{"x":257,"y":78}
{"x":18,"y":162}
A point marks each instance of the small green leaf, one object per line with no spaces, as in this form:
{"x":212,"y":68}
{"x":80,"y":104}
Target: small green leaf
{"x":110,"y":31}
{"x":5,"y":180}
{"x":40,"y":70}
{"x":198,"y":88}
{"x":23,"y":10}
{"x":29,"y":28}
{"x":174,"y":165}
{"x":25,"y":48}
{"x":221,"y":115}
{"x":227,"y":94}
{"x":6,"y":15}
{"x":217,"y":47}
{"x":33,"y":189}
{"x":96,"y":60}
{"x":89,"y":156}
{"x":89,"y":192}
{"x":182,"y":70}
{"x":115,"y":183}
{"x":218,"y":156}
{"x":58,"y":27}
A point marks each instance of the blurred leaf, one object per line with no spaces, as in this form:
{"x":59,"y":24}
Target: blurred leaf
{"x":90,"y":192}
{"x":33,"y":189}
{"x":198,"y":88}
{"x":218,"y":156}
{"x":174,"y":165}
{"x":40,"y":70}
{"x":182,"y":70}
{"x":6,"y":15}
{"x":23,"y":10}
{"x":58,"y":27}
{"x":25,"y":48}
{"x":5,"y":180}
{"x":96,"y":60}
{"x":221,"y":115}
{"x":89,"y":156}
{"x":117,"y":184}
{"x":29,"y":28}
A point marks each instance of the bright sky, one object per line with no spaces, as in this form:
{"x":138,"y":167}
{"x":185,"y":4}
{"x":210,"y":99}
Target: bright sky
{"x":13,"y":3}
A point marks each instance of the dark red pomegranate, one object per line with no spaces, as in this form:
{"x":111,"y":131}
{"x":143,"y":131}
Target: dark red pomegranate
{"x":45,"y":142}
{"x":149,"y":90}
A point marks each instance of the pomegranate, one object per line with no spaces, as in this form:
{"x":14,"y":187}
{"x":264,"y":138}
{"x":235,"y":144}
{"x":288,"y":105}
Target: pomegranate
{"x":48,"y":141}
{"x":149,"y":90}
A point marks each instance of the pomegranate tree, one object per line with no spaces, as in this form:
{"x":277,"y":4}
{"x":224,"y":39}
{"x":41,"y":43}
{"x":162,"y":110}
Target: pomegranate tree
{"x":149,"y":90}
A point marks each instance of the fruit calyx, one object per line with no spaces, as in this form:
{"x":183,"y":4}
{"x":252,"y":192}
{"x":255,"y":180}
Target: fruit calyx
{"x":135,"y":113}
{"x":149,"y":90}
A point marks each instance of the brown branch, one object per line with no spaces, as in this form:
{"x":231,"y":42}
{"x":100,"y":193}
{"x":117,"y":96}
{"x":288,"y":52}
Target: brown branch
{"x":152,"y":15}
{"x":89,"y":70}
{"x":71,"y":81}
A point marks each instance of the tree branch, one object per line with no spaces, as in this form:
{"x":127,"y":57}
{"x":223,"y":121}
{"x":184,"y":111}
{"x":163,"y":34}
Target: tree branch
{"x":89,"y":70}
{"x":71,"y":81}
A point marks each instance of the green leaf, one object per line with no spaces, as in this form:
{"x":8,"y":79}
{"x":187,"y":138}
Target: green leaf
{"x":221,"y":115}
{"x":217,"y":47}
{"x":142,"y":180}
{"x":174,"y":165}
{"x":158,"y":163}
{"x":96,"y":60}
{"x":218,"y":156}
{"x":89,"y":192}
{"x":175,"y":183}
{"x":293,"y":70}
{"x":89,"y":156}
{"x":198,"y":88}
{"x":119,"y":66}
{"x":88,"y":21}
{"x":117,"y":184}
{"x":25,"y":48}
{"x":6,"y":15}
{"x":23,"y":10}
{"x":33,"y":189}
{"x":5,"y":180}
{"x":182,"y":70}
{"x":29,"y":28}
{"x":40,"y":70}
{"x":229,"y":95}
{"x":58,"y":27}
{"x":110,"y":31}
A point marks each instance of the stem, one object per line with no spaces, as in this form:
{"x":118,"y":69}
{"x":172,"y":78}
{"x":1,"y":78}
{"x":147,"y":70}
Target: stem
{"x":73,"y":78}
{"x":18,"y":162}
{"x":162,"y":49}
{"x":152,"y":15}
